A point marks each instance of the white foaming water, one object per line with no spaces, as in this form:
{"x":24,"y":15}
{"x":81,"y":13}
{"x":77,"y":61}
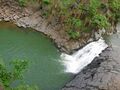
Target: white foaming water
{"x":76,"y":62}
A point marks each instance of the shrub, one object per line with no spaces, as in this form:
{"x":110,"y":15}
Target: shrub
{"x":114,"y":5}
{"x":77,"y":22}
{"x":22,"y":2}
{"x":100,"y":21}
{"x":73,"y":34}
{"x":46,"y":2}
{"x":8,"y":76}
{"x":93,"y":7}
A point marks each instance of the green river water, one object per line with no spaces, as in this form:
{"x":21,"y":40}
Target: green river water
{"x":45,"y":70}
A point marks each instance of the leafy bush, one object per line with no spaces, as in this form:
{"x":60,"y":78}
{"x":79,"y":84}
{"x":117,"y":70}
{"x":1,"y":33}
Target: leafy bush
{"x":77,"y":22}
{"x":93,"y":7}
{"x":22,"y":2}
{"x":100,"y":21}
{"x":46,"y":2}
{"x":73,"y":34}
{"x":8,"y":76}
{"x":114,"y":5}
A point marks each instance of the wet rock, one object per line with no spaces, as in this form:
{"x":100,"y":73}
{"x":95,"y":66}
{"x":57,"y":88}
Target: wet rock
{"x":99,"y":34}
{"x":102,"y":74}
{"x":6,"y":19}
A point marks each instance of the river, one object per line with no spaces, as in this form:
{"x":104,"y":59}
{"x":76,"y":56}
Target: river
{"x":45,"y":70}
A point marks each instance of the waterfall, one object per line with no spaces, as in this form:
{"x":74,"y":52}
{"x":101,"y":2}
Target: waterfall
{"x":76,"y":62}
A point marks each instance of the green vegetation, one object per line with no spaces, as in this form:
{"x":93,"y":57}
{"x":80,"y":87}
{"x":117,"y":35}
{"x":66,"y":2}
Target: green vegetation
{"x":22,"y":2}
{"x":73,"y":34}
{"x":8,"y":76}
{"x":80,"y":15}
{"x":100,"y":21}
{"x":46,"y":1}
{"x":114,"y":6}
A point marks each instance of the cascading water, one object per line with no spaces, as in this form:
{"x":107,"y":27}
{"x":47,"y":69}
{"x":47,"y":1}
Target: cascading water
{"x":76,"y":62}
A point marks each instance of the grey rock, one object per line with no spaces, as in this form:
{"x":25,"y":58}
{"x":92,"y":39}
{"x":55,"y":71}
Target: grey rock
{"x":102,"y":74}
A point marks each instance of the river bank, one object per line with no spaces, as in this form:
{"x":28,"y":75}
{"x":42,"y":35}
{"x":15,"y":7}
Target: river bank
{"x":31,"y":17}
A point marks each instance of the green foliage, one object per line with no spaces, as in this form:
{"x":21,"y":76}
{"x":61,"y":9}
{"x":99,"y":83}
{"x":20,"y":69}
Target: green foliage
{"x":73,"y":34}
{"x":74,"y":22}
{"x":115,"y":5}
{"x":77,"y":22}
{"x":93,"y":7}
{"x":22,"y":2}
{"x":46,"y":2}
{"x":80,"y":15}
{"x":8,"y":76}
{"x":74,"y":25}
{"x":19,"y":68}
{"x":100,"y":21}
{"x":66,"y":3}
